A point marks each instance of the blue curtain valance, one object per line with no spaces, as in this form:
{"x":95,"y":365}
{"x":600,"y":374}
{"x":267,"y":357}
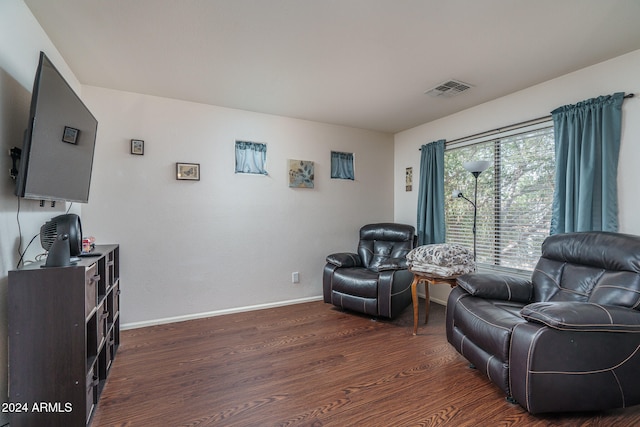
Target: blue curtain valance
{"x":342,"y":165}
{"x":251,"y":157}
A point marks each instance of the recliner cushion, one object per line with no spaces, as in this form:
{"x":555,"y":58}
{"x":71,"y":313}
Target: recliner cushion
{"x":563,"y":281}
{"x":376,"y":254}
{"x":559,"y":281}
{"x":356,"y":281}
{"x":621,"y":288}
{"x":579,"y":316}
{"x":586,"y":248}
{"x":380,"y":252}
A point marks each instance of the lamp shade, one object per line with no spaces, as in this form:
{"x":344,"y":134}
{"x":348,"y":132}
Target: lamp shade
{"x":477,"y":166}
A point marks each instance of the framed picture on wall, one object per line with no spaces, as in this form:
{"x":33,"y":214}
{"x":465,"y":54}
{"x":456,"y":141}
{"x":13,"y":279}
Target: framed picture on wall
{"x":70,"y":135}
{"x":188,"y":171}
{"x":301,"y":173}
{"x":137,"y":147}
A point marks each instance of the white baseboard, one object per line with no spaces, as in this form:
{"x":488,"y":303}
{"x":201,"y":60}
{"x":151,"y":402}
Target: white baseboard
{"x":135,"y":325}
{"x":163,"y":321}
{"x":438,"y":301}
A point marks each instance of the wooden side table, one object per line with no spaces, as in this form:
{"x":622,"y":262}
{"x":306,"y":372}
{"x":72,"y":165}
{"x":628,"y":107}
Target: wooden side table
{"x":427,"y":280}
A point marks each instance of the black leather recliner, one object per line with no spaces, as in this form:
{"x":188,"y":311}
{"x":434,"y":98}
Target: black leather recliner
{"x":566,"y":340}
{"x":375,"y":280}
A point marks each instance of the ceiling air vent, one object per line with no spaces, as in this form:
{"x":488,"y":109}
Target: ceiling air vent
{"x":448,"y":89}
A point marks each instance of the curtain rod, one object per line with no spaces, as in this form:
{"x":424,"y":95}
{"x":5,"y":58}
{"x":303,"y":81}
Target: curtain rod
{"x":510,"y":127}
{"x":502,"y":129}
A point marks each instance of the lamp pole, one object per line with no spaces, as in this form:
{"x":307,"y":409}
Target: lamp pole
{"x":475,"y":212}
{"x":476,"y":168}
{"x":458,"y":193}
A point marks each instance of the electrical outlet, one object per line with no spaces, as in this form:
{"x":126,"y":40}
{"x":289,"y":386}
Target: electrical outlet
{"x":295,"y":277}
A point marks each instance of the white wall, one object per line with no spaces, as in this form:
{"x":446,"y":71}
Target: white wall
{"x":231,"y":241}
{"x":228,"y":241}
{"x":616,"y":75}
{"x":21,"y":40}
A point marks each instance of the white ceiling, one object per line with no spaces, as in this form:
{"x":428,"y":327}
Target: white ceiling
{"x":360,"y":63}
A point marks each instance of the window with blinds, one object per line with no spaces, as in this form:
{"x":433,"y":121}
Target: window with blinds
{"x":514,"y":198}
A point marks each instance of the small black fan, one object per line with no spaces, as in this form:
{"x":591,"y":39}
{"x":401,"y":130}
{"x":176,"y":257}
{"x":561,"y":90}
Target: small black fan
{"x":68,"y":224}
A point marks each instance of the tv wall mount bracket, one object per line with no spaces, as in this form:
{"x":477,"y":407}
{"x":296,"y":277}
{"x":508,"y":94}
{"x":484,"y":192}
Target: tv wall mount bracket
{"x":15,"y":154}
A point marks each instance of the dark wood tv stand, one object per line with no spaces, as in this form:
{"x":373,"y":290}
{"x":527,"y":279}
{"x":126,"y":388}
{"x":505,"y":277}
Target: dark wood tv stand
{"x":64,"y":331}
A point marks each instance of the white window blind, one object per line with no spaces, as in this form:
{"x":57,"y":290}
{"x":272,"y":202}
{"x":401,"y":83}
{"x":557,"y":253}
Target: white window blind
{"x":514,"y":196}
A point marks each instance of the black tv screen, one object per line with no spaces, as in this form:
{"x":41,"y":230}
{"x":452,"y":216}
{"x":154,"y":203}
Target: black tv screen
{"x":57,"y":152}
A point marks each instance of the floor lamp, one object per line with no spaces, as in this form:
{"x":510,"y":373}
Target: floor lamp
{"x":476,"y":168}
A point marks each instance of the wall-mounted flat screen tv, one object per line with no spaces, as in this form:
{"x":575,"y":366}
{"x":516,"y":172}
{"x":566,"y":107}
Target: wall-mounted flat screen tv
{"x":57,"y":152}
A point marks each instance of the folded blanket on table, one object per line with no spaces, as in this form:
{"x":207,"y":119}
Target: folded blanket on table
{"x":442,"y":260}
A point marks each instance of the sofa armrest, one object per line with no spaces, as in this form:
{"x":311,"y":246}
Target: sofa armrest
{"x":345,"y":259}
{"x":583,"y":316}
{"x":496,"y":286}
{"x":392,"y":264}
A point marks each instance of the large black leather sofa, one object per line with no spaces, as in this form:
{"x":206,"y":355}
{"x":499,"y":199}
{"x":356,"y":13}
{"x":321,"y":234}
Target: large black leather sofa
{"x":375,"y":280}
{"x":566,"y":340}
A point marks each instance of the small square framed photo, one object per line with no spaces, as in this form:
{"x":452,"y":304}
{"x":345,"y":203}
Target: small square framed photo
{"x":137,"y":147}
{"x":70,"y":135}
{"x":188,"y":171}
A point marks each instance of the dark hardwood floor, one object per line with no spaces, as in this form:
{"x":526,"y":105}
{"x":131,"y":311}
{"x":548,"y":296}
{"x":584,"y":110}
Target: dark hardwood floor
{"x":309,"y":365}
